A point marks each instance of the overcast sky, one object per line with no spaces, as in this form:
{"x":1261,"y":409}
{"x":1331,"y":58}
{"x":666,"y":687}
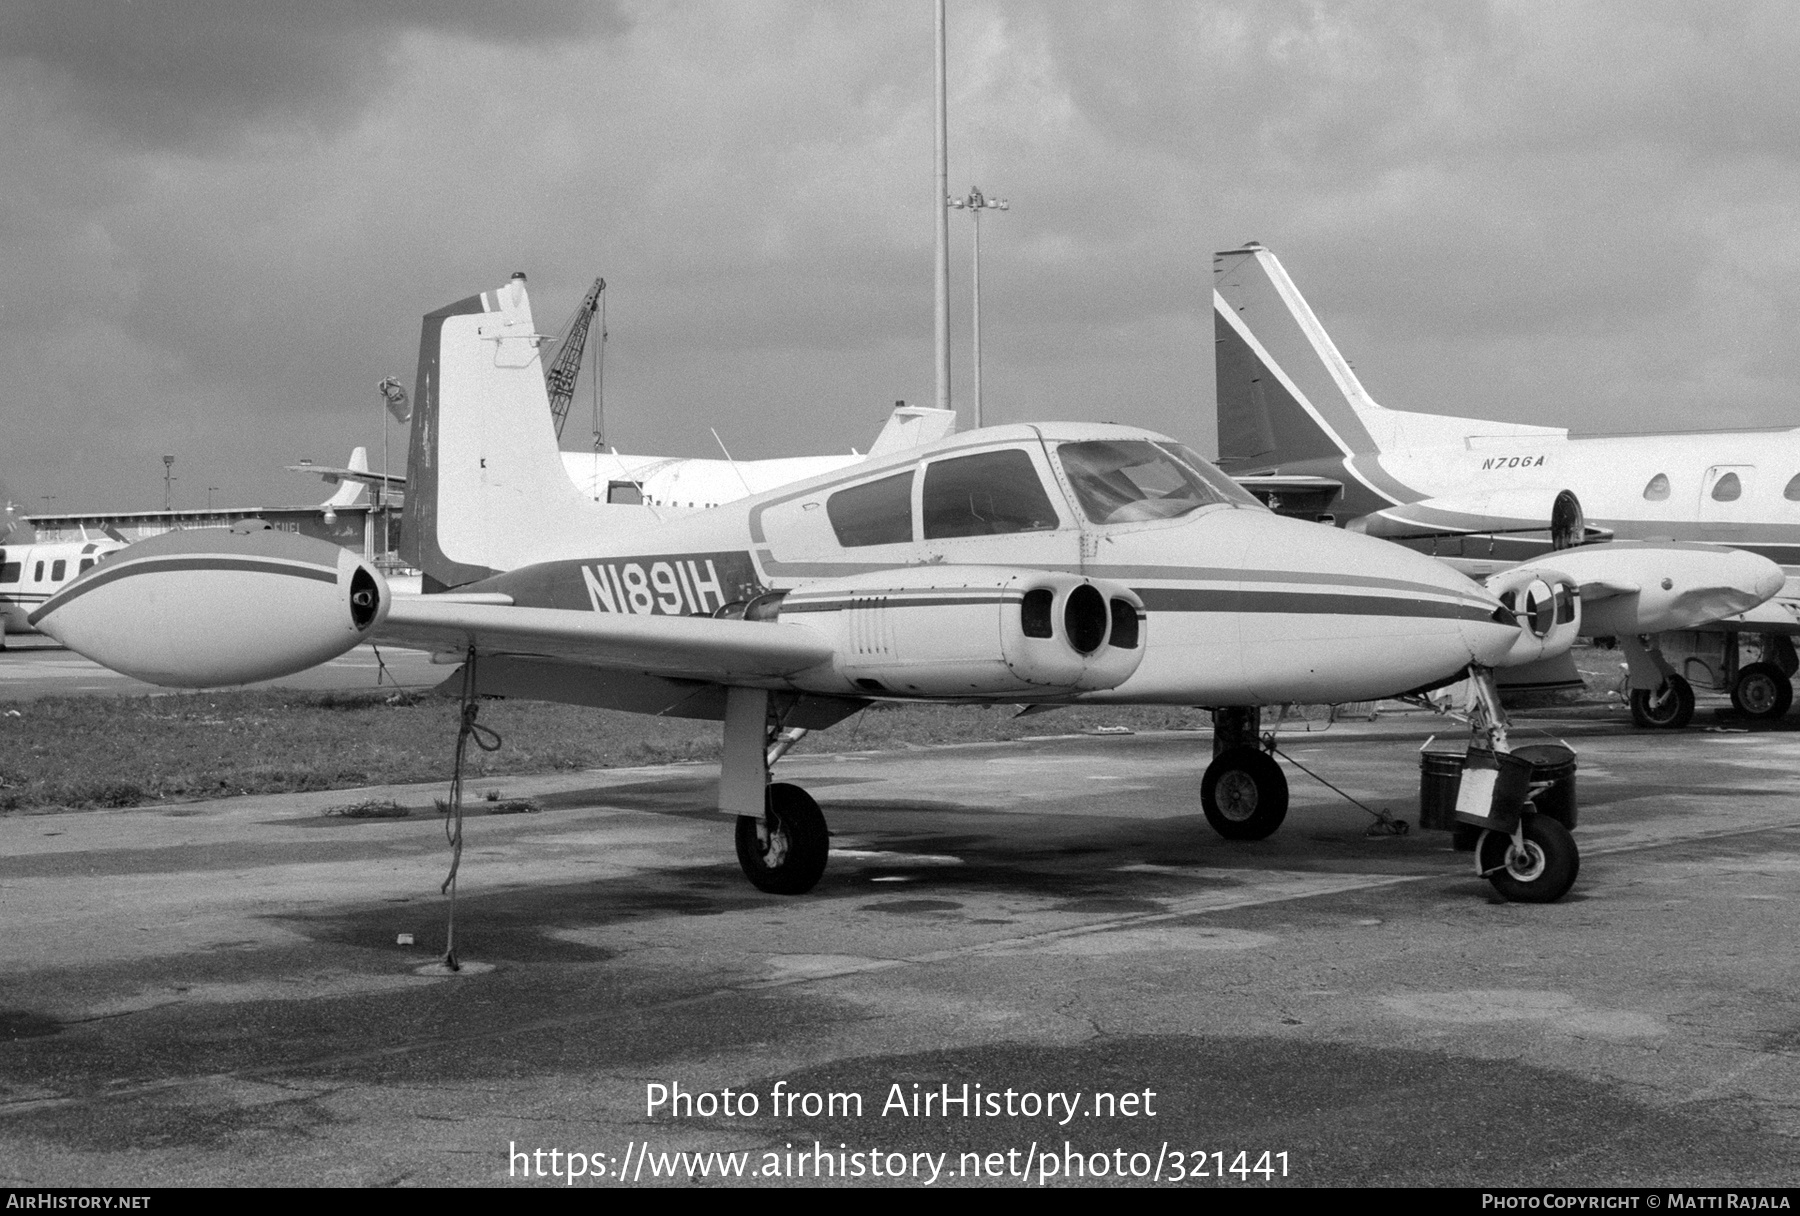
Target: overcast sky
{"x":220,"y":220}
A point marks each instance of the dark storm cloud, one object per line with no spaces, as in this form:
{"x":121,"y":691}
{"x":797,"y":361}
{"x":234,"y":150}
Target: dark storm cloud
{"x":187,"y":73}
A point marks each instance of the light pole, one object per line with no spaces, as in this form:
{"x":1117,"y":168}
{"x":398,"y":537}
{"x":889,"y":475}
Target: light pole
{"x":975,"y":204}
{"x":940,"y":130}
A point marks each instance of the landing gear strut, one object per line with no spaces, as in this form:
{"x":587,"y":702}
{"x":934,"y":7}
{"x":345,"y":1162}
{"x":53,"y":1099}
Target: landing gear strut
{"x":1244,"y":792}
{"x":1528,"y":857}
{"x":782,"y":840}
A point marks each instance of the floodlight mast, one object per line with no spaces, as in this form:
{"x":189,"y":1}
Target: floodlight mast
{"x":942,"y":193}
{"x":975,"y":204}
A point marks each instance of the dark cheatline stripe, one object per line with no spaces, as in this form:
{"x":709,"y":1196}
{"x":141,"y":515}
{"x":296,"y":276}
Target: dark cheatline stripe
{"x":876,"y":600}
{"x":162,"y":565}
{"x":1174,"y":599}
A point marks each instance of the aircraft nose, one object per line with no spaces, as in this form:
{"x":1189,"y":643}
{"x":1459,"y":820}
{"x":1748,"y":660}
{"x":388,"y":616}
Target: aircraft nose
{"x":1389,"y":619}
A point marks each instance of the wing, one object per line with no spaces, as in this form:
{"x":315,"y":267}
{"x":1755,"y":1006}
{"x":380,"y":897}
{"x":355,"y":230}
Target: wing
{"x":675,"y":647}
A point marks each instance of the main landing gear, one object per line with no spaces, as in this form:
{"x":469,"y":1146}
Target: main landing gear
{"x":782,"y":841}
{"x":1762,"y":690}
{"x":1244,"y":792}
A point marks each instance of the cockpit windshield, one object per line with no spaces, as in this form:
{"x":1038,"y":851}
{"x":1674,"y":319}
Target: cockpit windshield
{"x":1125,"y":480}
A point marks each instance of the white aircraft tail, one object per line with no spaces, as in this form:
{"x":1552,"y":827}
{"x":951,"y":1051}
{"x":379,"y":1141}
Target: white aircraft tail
{"x":352,"y":493}
{"x":912,"y":426}
{"x":486,"y":488}
{"x":1285,"y":393}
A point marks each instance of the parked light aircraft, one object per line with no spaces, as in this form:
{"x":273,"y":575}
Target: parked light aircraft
{"x":1296,"y":425}
{"x":1039,"y":564}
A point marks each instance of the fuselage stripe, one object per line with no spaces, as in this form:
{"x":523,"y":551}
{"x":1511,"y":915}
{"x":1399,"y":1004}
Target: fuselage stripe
{"x":164,"y":565}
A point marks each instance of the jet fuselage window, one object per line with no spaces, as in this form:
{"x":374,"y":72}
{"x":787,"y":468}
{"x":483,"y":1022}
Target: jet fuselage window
{"x":1120,"y":481}
{"x":1657,"y":489}
{"x":987,"y":494}
{"x":1792,"y":492}
{"x":37,"y":574}
{"x":1728,"y":488}
{"x":877,"y":513}
{"x":9,"y":572}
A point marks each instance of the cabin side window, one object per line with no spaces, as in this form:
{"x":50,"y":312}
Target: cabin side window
{"x":1658,"y":488}
{"x":58,"y":568}
{"x":876,"y":513}
{"x":1728,"y":488}
{"x":1792,"y":490}
{"x":87,"y":563}
{"x":37,"y":573}
{"x":987,"y":494}
{"x":9,"y":572}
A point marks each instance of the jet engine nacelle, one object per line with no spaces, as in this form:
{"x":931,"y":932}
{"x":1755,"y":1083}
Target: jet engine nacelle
{"x":211,"y":607}
{"x":970,"y":632}
{"x":1547,"y":605}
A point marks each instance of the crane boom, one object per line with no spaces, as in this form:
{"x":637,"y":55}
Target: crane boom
{"x":565,"y":369}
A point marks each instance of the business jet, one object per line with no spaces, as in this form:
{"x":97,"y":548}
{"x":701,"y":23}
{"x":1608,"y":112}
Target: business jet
{"x":1045,"y":564}
{"x":1297,"y":427}
{"x":31,"y":573}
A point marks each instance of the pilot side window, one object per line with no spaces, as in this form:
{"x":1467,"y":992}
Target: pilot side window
{"x":985,"y":495}
{"x":1657,"y":489}
{"x":58,"y":569}
{"x":878,"y":513}
{"x":1728,"y":488}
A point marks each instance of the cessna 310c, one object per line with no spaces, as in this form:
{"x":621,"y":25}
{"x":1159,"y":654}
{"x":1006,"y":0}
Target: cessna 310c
{"x":1039,"y":564}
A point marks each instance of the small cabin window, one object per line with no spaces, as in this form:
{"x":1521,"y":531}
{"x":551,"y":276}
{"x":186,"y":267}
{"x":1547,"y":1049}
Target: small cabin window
{"x":876,"y":513}
{"x":58,"y":568}
{"x":1728,"y":488}
{"x":1792,"y":492}
{"x":9,"y":572}
{"x":1658,"y":489}
{"x":987,"y":494}
{"x":37,"y":573}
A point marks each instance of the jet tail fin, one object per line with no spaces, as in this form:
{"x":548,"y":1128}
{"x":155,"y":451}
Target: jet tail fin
{"x":351,"y":493}
{"x":1285,"y":393}
{"x":486,"y":487}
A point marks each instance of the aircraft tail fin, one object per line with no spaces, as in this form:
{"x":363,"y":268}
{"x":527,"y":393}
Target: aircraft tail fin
{"x":1286,"y":394}
{"x":911,"y":426}
{"x":486,"y":487}
{"x":352,"y":493}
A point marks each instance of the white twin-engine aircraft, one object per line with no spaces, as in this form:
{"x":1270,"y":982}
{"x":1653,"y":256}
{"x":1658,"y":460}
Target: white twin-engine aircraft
{"x":1041,"y":564}
{"x":1296,"y":425}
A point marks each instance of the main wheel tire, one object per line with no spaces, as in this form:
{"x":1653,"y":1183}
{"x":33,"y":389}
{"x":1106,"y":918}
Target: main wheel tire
{"x":1244,"y":794}
{"x":1762,"y":691}
{"x":1667,"y":708}
{"x":1543,"y":873}
{"x":792,"y":859}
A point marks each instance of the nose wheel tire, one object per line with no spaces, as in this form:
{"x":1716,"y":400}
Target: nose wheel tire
{"x":1667,"y":708}
{"x":1244,"y":794}
{"x":786,"y":857}
{"x":1762,"y":691}
{"x":1540,"y":873}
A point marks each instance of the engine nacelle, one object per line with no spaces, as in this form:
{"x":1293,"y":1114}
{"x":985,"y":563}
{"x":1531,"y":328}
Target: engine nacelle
{"x":980,"y":632}
{"x":1547,"y":605}
{"x":210,"y":607}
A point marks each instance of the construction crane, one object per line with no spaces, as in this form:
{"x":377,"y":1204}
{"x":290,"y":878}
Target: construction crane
{"x":565,"y":369}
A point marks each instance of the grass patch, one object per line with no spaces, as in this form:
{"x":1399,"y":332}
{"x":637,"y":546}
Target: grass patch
{"x":370,"y":808}
{"x":97,"y":752}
